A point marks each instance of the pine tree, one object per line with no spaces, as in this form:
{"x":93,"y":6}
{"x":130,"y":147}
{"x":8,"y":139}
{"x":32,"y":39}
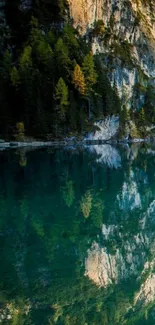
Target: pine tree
{"x":62,"y":56}
{"x":61,"y":95}
{"x":78,"y":80}
{"x":7,"y":59}
{"x":25,"y":62}
{"x":126,"y":114}
{"x":44,"y":52}
{"x":142,"y":116}
{"x":86,"y":204}
{"x":15,"y":77}
{"x":89,"y":72}
{"x":90,"y":76}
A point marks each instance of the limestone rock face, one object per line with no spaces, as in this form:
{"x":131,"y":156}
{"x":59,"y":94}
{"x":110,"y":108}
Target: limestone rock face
{"x":128,"y":259}
{"x":107,"y":129}
{"x":105,"y":268}
{"x":129,"y":40}
{"x":85,"y":12}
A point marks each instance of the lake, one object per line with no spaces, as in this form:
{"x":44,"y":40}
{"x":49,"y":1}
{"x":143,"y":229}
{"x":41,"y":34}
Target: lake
{"x":77,"y":235}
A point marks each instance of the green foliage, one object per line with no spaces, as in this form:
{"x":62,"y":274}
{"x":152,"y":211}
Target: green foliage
{"x":89,"y":72}
{"x":44,"y":52}
{"x":70,"y":38}
{"x":15,"y":77}
{"x":68,"y":193}
{"x":61,"y":95}
{"x":62,"y":56}
{"x":25,"y":60}
{"x":54,"y":82}
{"x":123,"y":50}
{"x":20,"y":131}
{"x":7,"y":60}
{"x":142,"y":117}
{"x":86,"y":204}
{"x":124,"y":115}
{"x":98,"y":28}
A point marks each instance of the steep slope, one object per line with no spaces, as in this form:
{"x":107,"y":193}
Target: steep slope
{"x":127,"y":42}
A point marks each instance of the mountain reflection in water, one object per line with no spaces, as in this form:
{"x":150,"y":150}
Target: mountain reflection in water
{"x":77,"y":236}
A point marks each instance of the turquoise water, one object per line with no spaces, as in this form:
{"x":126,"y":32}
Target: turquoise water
{"x":77,"y":236}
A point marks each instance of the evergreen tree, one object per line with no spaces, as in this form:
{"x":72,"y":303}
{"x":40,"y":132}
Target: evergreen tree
{"x":86,"y":204}
{"x":124,"y":115}
{"x":89,"y":71}
{"x":44,"y":53}
{"x":78,"y":80}
{"x":7,"y":60}
{"x":25,"y":61}
{"x":61,"y":95}
{"x":142,"y":116}
{"x":62,"y":57}
{"x":15,"y":77}
{"x":71,"y":40}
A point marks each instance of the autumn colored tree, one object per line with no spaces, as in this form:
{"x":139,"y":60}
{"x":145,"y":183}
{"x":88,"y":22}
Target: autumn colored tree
{"x":78,"y":80}
{"x":86,"y":204}
{"x":20,"y":131}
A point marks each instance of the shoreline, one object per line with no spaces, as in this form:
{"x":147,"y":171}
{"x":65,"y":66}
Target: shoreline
{"x":69,"y":142}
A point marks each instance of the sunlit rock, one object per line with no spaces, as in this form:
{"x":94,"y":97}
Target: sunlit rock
{"x":130,"y":44}
{"x":105,"y":268}
{"x":146,"y":293}
{"x":108,"y":128}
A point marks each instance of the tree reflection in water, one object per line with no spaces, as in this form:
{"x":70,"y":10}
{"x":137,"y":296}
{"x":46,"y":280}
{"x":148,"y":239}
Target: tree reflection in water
{"x":77,"y":236}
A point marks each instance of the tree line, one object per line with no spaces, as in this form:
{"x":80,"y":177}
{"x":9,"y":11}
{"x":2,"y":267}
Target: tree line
{"x":50,"y":80}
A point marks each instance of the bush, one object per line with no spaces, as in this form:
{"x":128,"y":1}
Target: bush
{"x":20,"y":135}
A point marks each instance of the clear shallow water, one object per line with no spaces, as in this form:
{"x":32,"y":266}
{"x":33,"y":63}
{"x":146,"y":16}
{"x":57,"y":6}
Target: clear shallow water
{"x":77,"y":236}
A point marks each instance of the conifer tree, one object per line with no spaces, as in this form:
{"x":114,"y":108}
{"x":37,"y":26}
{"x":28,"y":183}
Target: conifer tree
{"x":78,"y":80}
{"x":61,"y":95}
{"x":15,"y":77}
{"x":6,"y":64}
{"x":124,"y":115}
{"x":142,"y":116}
{"x":90,"y":76}
{"x":25,"y":61}
{"x":89,"y":72}
{"x":62,"y":57}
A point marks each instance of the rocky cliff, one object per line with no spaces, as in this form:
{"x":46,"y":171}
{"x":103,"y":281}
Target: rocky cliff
{"x":126,"y":42}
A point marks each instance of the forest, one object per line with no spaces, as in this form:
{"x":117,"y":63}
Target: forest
{"x":50,"y":83}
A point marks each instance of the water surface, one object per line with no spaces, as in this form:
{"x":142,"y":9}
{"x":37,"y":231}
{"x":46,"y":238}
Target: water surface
{"x":77,"y":236}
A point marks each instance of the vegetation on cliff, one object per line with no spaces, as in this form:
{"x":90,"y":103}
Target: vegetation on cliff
{"x":49,"y":79}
